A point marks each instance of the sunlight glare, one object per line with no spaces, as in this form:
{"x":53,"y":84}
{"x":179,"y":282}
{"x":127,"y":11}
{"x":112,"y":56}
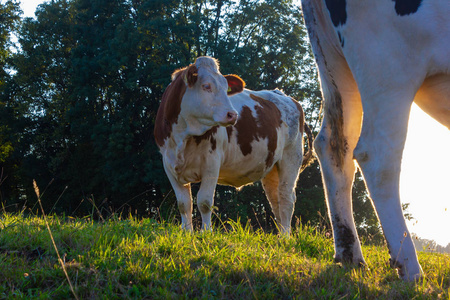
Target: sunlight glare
{"x":425,"y":177}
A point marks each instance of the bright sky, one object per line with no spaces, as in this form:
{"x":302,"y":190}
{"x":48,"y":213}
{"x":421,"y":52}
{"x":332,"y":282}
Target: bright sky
{"x":425,"y":178}
{"x":29,"y":7}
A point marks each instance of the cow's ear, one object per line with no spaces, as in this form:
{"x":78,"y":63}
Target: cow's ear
{"x":235,"y":84}
{"x":190,"y":75}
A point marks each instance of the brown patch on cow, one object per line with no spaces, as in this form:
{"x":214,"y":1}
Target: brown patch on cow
{"x":188,"y":74}
{"x":333,"y":105}
{"x":181,"y":208}
{"x":209,"y":135}
{"x":346,"y":241}
{"x":204,"y":208}
{"x":246,"y":130}
{"x":362,"y":157}
{"x":170,"y":106}
{"x":334,"y":111}
{"x":249,"y":128}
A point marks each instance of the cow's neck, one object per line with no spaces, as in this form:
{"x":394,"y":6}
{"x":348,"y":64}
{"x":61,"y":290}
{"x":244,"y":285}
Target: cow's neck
{"x":187,"y":127}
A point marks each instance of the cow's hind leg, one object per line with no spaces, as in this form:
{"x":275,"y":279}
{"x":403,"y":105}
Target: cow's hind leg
{"x":270,"y":185}
{"x":379,"y":154}
{"x":288,"y":171}
{"x":334,"y":147}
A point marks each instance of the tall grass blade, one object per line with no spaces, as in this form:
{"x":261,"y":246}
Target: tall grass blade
{"x":36,"y":190}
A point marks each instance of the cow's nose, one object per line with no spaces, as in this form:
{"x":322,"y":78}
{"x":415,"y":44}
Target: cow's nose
{"x":231,"y":117}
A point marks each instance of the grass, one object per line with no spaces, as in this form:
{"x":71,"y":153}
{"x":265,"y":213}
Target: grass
{"x":143,"y":259}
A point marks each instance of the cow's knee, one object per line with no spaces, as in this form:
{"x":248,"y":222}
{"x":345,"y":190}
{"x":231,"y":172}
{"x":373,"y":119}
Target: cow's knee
{"x":362,"y":153}
{"x":286,"y":210}
{"x":181,"y":207}
{"x":381,"y":168}
{"x":204,"y":206}
{"x":321,"y":144}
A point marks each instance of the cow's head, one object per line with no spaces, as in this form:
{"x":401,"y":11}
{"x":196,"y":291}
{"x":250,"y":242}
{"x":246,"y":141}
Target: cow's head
{"x":199,"y":95}
{"x":206,"y":97}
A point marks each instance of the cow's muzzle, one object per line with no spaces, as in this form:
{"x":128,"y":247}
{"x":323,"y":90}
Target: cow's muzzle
{"x":231,"y":118}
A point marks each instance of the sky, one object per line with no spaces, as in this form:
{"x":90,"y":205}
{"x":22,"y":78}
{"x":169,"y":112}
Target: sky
{"x":425,"y":177}
{"x":29,"y":7}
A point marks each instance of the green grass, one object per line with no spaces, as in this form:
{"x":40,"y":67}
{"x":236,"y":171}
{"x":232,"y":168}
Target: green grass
{"x":136,"y":259}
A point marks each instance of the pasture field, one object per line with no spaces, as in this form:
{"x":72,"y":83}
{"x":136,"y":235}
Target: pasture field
{"x":144,"y":259}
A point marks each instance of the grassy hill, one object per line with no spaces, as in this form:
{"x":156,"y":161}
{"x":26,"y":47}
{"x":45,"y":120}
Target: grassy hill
{"x":135,"y":259}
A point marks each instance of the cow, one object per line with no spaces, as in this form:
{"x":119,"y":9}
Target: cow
{"x":375,"y":58}
{"x":211,"y":130}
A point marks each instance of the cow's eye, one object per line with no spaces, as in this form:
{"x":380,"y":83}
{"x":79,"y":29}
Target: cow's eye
{"x":207,"y":87}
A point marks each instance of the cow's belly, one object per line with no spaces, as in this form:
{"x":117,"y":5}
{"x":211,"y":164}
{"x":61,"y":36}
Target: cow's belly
{"x":433,"y":97}
{"x":238,"y":169}
{"x":239,"y":176}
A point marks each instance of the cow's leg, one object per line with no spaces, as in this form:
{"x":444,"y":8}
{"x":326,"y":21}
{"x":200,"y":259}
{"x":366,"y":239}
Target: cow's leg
{"x":184,"y":201}
{"x":270,"y":185}
{"x":288,"y":171}
{"x":379,"y":154}
{"x":334,"y":147}
{"x":339,"y":133}
{"x":205,"y":199}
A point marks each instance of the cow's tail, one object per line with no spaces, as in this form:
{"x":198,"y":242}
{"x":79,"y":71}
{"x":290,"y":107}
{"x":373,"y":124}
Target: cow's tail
{"x":308,"y":157}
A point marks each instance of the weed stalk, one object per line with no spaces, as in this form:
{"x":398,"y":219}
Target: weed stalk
{"x":36,"y":190}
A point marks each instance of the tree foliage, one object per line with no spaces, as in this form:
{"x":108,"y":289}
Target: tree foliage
{"x":79,"y":102}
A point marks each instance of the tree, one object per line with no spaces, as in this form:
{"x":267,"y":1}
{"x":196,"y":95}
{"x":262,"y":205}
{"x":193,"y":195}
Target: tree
{"x":9,"y":23}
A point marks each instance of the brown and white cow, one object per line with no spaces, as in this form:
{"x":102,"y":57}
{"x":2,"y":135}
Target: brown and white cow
{"x":264,"y":143}
{"x":375,"y":58}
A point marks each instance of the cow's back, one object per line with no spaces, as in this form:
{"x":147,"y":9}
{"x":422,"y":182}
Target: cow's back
{"x":268,"y":122}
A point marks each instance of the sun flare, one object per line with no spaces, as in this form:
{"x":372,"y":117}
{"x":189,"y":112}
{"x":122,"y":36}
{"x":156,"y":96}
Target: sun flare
{"x":425,"y":177}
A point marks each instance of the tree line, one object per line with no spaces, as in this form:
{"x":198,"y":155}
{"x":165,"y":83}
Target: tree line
{"x":80,"y":88}
{"x":427,"y":245}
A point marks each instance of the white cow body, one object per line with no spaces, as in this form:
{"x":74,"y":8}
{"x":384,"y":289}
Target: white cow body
{"x":264,"y":143}
{"x":375,"y":58}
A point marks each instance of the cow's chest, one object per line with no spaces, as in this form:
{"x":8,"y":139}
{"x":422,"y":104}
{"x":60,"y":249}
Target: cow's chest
{"x":199,"y":158}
